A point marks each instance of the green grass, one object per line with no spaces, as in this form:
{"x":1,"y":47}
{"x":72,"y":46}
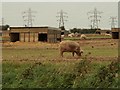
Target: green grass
{"x":51,"y":70}
{"x":34,"y":54}
{"x":88,"y":37}
{"x":81,"y":74}
{"x":101,"y":51}
{"x":30,"y":54}
{"x":98,"y":36}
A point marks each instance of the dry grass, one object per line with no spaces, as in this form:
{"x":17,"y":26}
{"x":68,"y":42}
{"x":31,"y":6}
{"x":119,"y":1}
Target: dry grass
{"x":93,"y":49}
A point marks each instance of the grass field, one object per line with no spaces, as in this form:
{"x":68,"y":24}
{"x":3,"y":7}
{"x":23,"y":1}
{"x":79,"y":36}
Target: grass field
{"x":39,"y":65}
{"x":89,"y":36}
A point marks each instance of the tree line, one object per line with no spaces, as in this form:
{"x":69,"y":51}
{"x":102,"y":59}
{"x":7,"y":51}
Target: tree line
{"x":4,"y":27}
{"x":83,"y":31}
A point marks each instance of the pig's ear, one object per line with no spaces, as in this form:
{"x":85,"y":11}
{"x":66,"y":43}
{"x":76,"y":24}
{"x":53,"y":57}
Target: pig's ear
{"x":81,"y":51}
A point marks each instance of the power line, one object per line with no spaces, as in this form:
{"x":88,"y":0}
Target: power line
{"x":61,"y":17}
{"x":94,"y":18}
{"x":2,"y":21}
{"x":28,"y":17}
{"x":113,"y":21}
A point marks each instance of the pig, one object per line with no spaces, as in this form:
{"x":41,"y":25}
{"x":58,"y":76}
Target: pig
{"x":71,"y":35}
{"x":70,"y":46}
{"x":83,"y":36}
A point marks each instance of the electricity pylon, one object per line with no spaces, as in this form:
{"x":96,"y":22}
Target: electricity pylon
{"x":28,"y":17}
{"x":61,"y":19}
{"x":113,"y":21}
{"x":95,"y":18}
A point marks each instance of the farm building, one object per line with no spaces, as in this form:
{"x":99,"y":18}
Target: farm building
{"x":115,"y":33}
{"x":102,"y":32}
{"x":4,"y":33}
{"x":35,"y":34}
{"x":64,"y":32}
{"x":5,"y":36}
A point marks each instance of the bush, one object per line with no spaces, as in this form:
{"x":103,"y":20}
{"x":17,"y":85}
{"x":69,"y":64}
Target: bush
{"x":107,"y":76}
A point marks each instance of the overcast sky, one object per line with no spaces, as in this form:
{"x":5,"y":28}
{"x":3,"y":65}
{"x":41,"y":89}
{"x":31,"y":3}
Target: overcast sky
{"x":46,"y":13}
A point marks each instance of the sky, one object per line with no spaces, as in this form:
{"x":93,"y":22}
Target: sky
{"x":46,"y":12}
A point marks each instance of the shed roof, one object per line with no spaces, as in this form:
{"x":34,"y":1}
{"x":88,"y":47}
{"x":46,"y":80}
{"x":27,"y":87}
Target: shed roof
{"x":35,"y":27}
{"x":115,"y":29}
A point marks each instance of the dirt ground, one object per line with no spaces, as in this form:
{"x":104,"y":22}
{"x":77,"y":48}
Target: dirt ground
{"x":93,"y":49}
{"x":98,"y":42}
